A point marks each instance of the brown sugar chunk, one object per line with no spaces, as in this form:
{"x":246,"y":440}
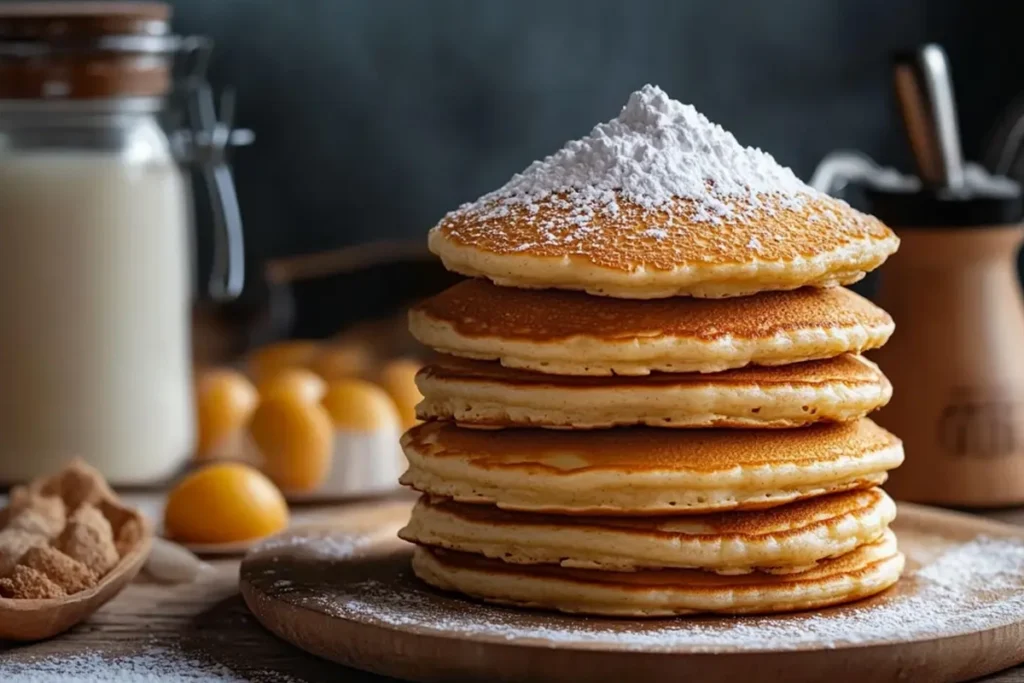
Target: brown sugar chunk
{"x":43,"y":515}
{"x":66,"y":572}
{"x":31,"y":521}
{"x":128,"y":536}
{"x":26,"y":583}
{"x":14,"y":543}
{"x":78,"y":484}
{"x":129,"y":528}
{"x":89,"y":515}
{"x":89,"y":539}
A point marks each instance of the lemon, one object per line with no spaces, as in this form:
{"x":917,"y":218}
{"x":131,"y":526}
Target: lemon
{"x":294,"y":437}
{"x":223,"y":503}
{"x":225,"y":400}
{"x":273,"y":358}
{"x":299,"y":383}
{"x":358,"y":405}
{"x":398,"y":378}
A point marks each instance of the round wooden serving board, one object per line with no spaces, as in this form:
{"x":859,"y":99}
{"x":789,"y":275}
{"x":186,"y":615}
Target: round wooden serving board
{"x":346,"y":593}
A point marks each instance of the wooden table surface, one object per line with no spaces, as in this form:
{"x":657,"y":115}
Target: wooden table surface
{"x":205,"y":629}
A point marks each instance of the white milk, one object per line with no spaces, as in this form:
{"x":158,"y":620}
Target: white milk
{"x":94,"y":314}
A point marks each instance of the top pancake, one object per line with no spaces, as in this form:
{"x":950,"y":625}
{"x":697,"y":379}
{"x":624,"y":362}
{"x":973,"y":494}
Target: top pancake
{"x":775,"y":243}
{"x":571,"y":333}
{"x":660,"y":202}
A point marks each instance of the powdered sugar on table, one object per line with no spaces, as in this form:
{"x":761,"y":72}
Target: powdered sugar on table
{"x":655,"y":151}
{"x":156,"y":665}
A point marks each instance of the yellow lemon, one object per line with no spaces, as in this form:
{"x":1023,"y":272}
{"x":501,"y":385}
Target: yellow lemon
{"x":223,"y":503}
{"x":271,"y":359}
{"x":367,"y":456}
{"x":295,"y":439}
{"x":225,"y":400}
{"x":299,"y":383}
{"x":398,"y":378}
{"x":358,"y":405}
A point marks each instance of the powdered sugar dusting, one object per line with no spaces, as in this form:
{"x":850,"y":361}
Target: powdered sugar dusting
{"x":966,"y":587}
{"x":154,"y":665}
{"x":986,"y":564}
{"x":657,"y":150}
{"x":325,"y":546}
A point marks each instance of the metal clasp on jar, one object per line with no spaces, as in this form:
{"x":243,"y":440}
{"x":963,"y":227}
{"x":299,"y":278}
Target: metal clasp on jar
{"x":205,"y":143}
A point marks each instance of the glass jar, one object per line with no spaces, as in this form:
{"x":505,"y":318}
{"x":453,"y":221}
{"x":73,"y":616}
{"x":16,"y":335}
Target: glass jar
{"x":95,"y":250}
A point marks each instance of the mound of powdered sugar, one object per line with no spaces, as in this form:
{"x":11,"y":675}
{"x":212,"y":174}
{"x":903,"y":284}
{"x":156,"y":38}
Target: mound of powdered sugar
{"x":971,"y":586}
{"x":656,"y":150}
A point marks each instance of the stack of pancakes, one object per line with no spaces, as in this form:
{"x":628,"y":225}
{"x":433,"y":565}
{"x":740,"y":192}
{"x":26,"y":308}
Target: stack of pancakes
{"x":650,"y":411}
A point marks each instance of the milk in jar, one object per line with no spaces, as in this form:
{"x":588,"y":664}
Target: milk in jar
{"x":95,"y":213}
{"x":94,"y":310}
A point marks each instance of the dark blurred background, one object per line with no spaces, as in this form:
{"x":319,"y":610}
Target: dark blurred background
{"x":374,"y":117}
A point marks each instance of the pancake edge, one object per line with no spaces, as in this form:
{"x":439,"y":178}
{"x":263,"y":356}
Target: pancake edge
{"x":845,"y":265}
{"x":662,"y":490}
{"x":588,"y":545}
{"x":581,"y":355}
{"x":493,"y":403}
{"x":577,"y":597}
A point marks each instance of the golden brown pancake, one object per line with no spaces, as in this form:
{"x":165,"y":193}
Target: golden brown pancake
{"x":575,"y":334}
{"x":868,"y":570}
{"x":784,"y":539}
{"x":487,"y":394}
{"x":660,"y":202}
{"x":770,"y":244}
{"x":645,"y":470}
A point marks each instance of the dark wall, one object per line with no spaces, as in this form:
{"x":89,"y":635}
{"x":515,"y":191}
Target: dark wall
{"x":374,"y":117}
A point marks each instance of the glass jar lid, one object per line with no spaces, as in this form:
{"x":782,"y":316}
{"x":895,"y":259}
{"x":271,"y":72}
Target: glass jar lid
{"x":118,"y":50}
{"x":86,"y":50}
